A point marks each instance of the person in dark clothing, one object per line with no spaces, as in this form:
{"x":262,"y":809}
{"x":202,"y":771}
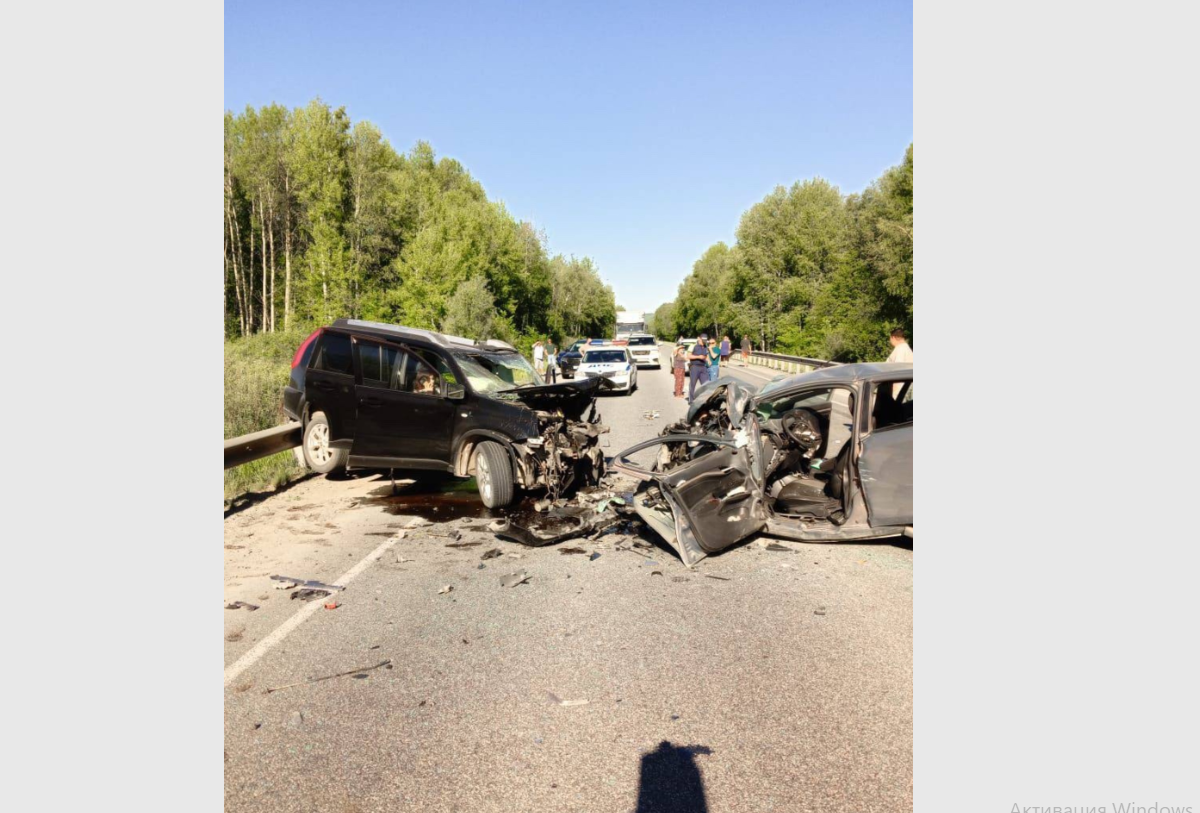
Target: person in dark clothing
{"x":747,"y":346}
{"x":699,"y":368}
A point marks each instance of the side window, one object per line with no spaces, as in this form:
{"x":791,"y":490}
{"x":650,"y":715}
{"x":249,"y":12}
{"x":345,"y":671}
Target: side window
{"x":334,"y":355}
{"x":380,"y":365}
{"x":452,"y":387}
{"x":893,"y":404}
{"x":417,"y":377}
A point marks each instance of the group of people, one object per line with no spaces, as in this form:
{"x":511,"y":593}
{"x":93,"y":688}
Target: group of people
{"x":703,"y":362}
{"x":545,"y":359}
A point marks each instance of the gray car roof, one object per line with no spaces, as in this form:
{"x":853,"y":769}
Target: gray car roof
{"x":847,"y":373}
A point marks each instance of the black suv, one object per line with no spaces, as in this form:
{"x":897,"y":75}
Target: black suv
{"x":372,"y":395}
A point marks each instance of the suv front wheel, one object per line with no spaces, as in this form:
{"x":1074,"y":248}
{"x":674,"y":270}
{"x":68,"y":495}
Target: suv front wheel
{"x":493,"y":475}
{"x":318,"y":454}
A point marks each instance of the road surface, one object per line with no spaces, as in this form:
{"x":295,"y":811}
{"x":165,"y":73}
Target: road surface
{"x":785,"y":684}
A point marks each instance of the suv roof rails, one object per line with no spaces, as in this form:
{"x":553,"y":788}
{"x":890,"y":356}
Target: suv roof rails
{"x":440,"y":339}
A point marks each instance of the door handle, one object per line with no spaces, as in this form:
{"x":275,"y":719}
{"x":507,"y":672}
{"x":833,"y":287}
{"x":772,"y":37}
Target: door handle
{"x":371,"y":402}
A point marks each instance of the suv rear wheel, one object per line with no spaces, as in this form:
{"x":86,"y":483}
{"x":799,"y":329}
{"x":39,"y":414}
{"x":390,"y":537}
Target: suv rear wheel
{"x":317,"y":452}
{"x":493,"y":475}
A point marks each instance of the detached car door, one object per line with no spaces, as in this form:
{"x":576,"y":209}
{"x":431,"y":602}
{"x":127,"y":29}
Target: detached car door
{"x":885,"y":464}
{"x":404,"y":418}
{"x":706,"y":504}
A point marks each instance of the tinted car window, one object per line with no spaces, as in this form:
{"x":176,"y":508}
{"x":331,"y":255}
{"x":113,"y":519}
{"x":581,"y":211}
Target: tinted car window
{"x":642,"y":340}
{"x":335,"y":354}
{"x":381,"y":366}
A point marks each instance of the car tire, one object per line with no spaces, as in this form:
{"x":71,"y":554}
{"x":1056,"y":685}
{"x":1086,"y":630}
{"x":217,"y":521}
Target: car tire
{"x":317,"y":454}
{"x":493,"y":475}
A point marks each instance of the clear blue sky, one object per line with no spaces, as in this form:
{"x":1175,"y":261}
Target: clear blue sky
{"x":634,"y":133}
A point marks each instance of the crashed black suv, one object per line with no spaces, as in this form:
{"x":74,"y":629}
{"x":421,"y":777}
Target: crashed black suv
{"x":372,"y":395}
{"x":824,"y":456}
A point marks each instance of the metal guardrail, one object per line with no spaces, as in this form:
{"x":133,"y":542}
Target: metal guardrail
{"x":262,"y":444}
{"x":789,"y":364}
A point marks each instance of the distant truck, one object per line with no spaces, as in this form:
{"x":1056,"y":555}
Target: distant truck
{"x":630,"y":322}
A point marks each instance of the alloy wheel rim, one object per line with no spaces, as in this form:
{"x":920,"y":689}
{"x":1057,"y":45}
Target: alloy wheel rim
{"x":318,"y":444}
{"x":485,"y":478}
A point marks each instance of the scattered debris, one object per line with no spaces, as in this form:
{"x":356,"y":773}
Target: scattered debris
{"x":463,"y":544}
{"x":514,"y":579}
{"x":593,"y":557}
{"x":781,"y":548}
{"x":680,"y":578}
{"x":558,"y":527}
{"x":819,"y":611}
{"x":309,"y":593}
{"x":235,"y":636}
{"x":481,"y":566}
{"x":651,"y":415}
{"x":655,"y":572}
{"x":235,"y":547}
{"x":302,"y":583}
{"x":560,"y":702}
{"x":331,"y":605}
{"x":492,"y":554}
{"x":410,"y":522}
{"x":718,"y":578}
{"x":237,"y":605}
{"x":401,"y":560}
{"x":566,"y":551}
{"x":303,"y":507}
{"x":296,"y":719}
{"x":327,"y":677}
{"x":286,"y":586}
{"x":445,"y":589}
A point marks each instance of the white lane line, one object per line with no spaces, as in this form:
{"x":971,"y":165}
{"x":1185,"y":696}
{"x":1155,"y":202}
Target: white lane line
{"x":262,"y":647}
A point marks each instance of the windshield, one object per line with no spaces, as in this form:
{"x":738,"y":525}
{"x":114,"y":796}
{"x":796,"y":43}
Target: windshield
{"x":604,"y":357}
{"x":578,"y":344}
{"x":641,"y":340}
{"x":493,"y":372}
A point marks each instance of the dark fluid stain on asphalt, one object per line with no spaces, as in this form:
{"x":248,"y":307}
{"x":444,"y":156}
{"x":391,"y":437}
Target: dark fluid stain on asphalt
{"x":440,"y":502}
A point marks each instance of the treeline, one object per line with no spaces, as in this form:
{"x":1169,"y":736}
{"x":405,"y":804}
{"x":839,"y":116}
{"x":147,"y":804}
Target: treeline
{"x":812,"y":273}
{"x":324,"y":219}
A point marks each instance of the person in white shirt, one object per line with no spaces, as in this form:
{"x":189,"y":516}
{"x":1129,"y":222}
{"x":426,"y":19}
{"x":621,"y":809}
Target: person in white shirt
{"x":900,"y":349}
{"x":900,"y":352}
{"x":539,"y":358}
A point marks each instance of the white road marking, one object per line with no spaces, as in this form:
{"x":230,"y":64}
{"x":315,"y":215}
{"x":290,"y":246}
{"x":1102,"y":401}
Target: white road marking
{"x":262,"y":647}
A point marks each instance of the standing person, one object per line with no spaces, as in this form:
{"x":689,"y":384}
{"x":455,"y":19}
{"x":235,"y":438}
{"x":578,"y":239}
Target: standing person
{"x":679,"y":368}
{"x":552,"y":361}
{"x":699,"y":366}
{"x":726,"y":350}
{"x":539,"y":357}
{"x":900,"y":352}
{"x":714,"y":360}
{"x":747,"y":349}
{"x":900,"y":349}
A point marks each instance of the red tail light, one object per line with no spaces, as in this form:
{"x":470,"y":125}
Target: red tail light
{"x":300,"y":352}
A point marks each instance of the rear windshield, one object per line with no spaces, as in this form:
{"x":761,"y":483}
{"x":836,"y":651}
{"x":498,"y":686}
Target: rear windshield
{"x":604,"y":357}
{"x":642,"y":340}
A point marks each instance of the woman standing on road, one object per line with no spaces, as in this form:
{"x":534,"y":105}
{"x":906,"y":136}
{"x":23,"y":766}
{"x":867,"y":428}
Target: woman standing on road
{"x":679,"y":368}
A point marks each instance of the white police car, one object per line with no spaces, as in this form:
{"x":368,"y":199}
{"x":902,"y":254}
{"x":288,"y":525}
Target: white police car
{"x":611,"y":362}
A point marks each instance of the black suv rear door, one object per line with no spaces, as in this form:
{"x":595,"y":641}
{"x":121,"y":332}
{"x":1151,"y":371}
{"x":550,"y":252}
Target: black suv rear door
{"x":329,"y":386}
{"x":404,"y":418}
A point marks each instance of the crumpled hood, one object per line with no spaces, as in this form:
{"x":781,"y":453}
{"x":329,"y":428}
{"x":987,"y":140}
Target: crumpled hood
{"x":737,"y":394}
{"x":572,"y":397}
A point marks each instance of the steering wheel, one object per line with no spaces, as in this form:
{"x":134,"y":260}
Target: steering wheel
{"x":802,"y":428}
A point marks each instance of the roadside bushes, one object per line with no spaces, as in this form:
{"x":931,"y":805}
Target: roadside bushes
{"x":256,"y":371}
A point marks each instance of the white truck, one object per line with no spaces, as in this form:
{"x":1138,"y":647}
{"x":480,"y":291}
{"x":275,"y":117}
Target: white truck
{"x":630,"y":322}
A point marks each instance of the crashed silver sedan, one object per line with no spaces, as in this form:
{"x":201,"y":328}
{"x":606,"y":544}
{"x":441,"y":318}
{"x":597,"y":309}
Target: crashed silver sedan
{"x":819,"y":457}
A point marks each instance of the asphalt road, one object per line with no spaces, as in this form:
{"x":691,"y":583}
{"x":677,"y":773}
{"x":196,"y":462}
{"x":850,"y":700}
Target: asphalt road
{"x":784,"y":684}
